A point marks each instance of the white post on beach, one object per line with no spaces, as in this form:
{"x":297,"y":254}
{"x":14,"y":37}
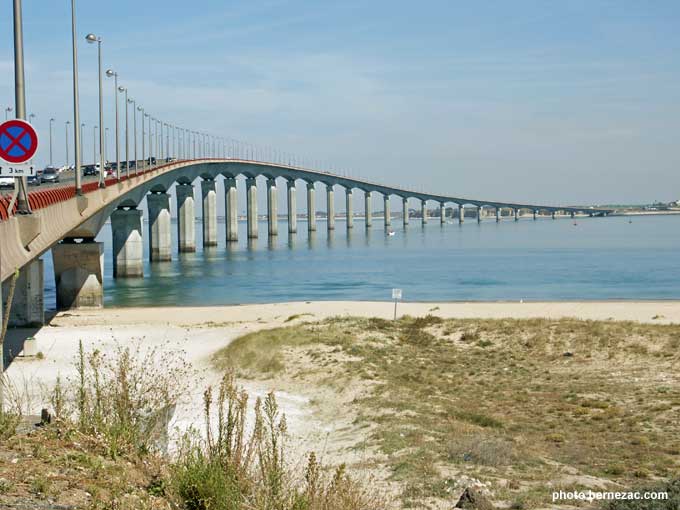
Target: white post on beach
{"x":396,"y":295}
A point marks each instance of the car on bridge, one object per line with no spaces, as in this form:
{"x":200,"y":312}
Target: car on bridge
{"x":90,"y":170}
{"x":35,"y":179}
{"x":6,"y":182}
{"x":50,"y":175}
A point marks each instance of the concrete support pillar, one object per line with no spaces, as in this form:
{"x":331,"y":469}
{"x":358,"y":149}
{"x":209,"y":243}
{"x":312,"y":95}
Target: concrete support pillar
{"x":251,"y":205}
{"x":79,"y":274}
{"x":186,"y":218}
{"x":423,"y":211}
{"x":442,"y":213}
{"x":311,"y":207}
{"x":552,"y":214}
{"x":572,"y":214}
{"x":516,"y":212}
{"x":272,"y":208}
{"x":28,"y":304}
{"x":349,"y":208}
{"x":479,"y":214}
{"x":128,"y":244}
{"x":209,"y":212}
{"x":231,"y":208}
{"x":498,"y":214}
{"x":405,"y":210}
{"x":461,"y":213}
{"x":160,"y":238}
{"x":386,"y":210}
{"x":368,"y":210}
{"x":330,"y":207}
{"x":535,"y":214}
{"x":292,"y":208}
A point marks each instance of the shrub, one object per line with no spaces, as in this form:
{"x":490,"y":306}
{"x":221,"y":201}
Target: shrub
{"x":231,"y":469}
{"x":123,"y":399}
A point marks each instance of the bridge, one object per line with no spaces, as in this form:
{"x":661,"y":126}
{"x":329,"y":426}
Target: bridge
{"x":68,"y":223}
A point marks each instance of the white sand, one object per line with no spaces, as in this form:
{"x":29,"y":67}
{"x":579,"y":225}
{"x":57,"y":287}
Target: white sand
{"x":196,"y":333}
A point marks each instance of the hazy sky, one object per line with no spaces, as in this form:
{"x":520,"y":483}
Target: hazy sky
{"x":574,"y":101}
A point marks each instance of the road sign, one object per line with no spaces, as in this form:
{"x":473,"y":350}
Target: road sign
{"x":396,"y":293}
{"x":18,"y":141}
{"x":21,"y":170}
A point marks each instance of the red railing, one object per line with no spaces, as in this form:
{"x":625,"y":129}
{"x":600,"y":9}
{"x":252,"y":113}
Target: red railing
{"x":40,"y":199}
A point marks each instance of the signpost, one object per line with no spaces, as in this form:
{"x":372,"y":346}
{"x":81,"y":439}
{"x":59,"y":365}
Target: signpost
{"x":18,"y":145}
{"x":396,"y":295}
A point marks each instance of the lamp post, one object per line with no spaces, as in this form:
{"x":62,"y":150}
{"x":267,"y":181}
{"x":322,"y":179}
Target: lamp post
{"x":8,"y":110}
{"x":91,"y":38}
{"x":140,"y":109}
{"x":106,"y":145}
{"x":127,"y":137}
{"x":51,"y":123}
{"x":111,"y":73}
{"x":94,"y":148}
{"x":78,"y":135}
{"x":66,"y":125}
{"x":134,"y":130}
{"x":80,"y":152}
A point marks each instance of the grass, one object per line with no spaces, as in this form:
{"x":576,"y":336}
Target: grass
{"x":515,"y":403}
{"x":103,"y":448}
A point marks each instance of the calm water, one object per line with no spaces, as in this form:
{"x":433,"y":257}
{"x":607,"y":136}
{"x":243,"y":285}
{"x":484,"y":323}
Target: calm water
{"x":600,"y":258}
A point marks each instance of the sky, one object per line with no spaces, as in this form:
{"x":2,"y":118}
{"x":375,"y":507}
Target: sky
{"x":522,"y":101}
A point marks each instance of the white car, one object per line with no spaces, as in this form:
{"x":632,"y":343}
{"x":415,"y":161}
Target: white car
{"x":6,"y":182}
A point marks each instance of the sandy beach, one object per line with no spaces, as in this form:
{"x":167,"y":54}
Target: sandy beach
{"x":195,"y":333}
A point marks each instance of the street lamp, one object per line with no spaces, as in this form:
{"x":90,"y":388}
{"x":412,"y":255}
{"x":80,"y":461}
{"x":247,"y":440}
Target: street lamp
{"x":94,"y":148}
{"x":8,"y":110}
{"x":78,"y":135}
{"x":140,"y":109}
{"x":66,"y":124}
{"x":91,"y":38}
{"x":106,"y":145}
{"x":127,"y":137}
{"x":134,"y":134}
{"x":111,"y":73}
{"x":80,"y":152}
{"x":51,"y":122}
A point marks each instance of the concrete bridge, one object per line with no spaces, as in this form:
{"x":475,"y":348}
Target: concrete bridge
{"x":68,"y":223}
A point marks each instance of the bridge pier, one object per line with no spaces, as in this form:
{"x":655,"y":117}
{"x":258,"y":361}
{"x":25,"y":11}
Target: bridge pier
{"x":535,"y":214}
{"x":386,"y":210}
{"x":292,"y":208}
{"x":405,"y":211}
{"x":498,"y":214}
{"x":128,"y":246}
{"x":552,"y":214}
{"x":209,"y":212}
{"x":272,"y":208}
{"x":572,"y":214}
{"x":186,"y":218}
{"x":158,"y":205}
{"x":349,"y":209}
{"x":368,"y":211}
{"x":516,"y":213}
{"x":231,"y":208}
{"x":442,"y":213}
{"x":330,"y":207}
{"x":251,"y":207}
{"x":461,"y":213}
{"x":423,"y":211}
{"x":311,"y":207}
{"x":28,"y":304}
{"x":79,"y":274}
{"x":479,"y":214}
